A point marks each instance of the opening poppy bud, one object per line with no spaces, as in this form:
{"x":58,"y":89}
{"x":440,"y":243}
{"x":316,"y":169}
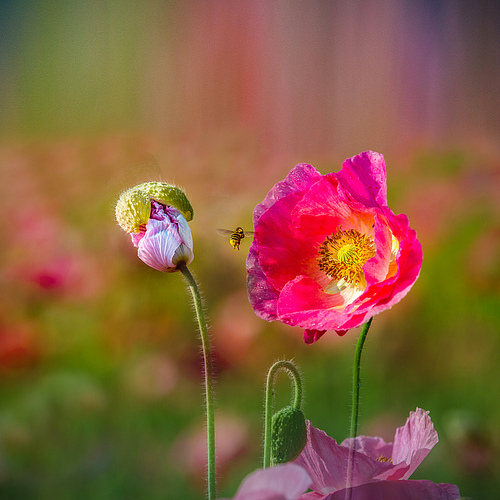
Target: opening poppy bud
{"x":133,"y":207}
{"x":156,"y":214}
{"x":289,"y":435}
{"x":167,"y":194}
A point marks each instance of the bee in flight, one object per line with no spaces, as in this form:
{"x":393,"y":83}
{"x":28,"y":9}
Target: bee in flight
{"x":235,"y":236}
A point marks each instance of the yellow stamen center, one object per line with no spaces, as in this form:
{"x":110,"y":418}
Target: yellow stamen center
{"x":343,"y":255}
{"x":384,"y":459}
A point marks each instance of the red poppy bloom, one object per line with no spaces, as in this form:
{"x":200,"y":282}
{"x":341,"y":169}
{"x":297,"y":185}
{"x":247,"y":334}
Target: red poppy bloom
{"x":328,"y":253}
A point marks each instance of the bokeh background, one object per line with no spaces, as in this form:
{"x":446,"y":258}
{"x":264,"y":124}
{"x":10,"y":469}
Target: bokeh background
{"x":100,"y":371}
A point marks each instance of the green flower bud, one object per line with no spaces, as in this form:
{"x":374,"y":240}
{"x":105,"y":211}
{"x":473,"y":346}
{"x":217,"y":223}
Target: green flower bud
{"x":289,"y":435}
{"x":167,"y":194}
{"x":133,"y":208}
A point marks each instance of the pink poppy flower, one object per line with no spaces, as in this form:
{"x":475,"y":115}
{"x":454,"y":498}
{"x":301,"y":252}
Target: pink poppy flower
{"x":282,"y":482}
{"x":328,"y":253}
{"x":381,"y":470}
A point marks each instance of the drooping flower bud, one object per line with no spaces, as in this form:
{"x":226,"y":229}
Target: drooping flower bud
{"x":289,"y":435}
{"x":156,"y":214}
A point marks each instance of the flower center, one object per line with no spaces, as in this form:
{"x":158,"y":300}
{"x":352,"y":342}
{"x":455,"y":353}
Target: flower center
{"x":343,"y":255}
{"x":348,"y":255}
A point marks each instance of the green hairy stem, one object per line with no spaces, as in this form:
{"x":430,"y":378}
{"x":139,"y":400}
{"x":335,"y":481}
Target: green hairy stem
{"x":209,"y":385}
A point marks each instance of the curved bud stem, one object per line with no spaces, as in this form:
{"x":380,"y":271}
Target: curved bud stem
{"x":294,"y":374}
{"x":209,"y":386}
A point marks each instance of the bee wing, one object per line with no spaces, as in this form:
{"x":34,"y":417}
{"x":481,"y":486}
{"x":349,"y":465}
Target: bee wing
{"x":249,"y":233}
{"x":224,"y":232}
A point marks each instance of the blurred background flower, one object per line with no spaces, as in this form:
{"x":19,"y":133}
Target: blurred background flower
{"x":189,"y":451}
{"x":100,"y":371}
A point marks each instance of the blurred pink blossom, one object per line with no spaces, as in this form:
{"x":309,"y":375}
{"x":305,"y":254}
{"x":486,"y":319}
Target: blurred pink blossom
{"x":47,"y":255}
{"x":19,"y":348}
{"x":153,"y":377}
{"x":444,"y":206}
{"x":232,"y":439}
{"x":235,"y":328}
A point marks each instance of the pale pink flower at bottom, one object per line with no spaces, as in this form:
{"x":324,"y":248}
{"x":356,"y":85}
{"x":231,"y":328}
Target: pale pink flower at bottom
{"x":282,"y":482}
{"x":376,"y":464}
{"x":393,"y":490}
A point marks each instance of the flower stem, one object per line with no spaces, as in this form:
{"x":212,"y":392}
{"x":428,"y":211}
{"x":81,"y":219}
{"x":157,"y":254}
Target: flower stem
{"x":209,"y":385}
{"x":356,"y":380}
{"x":356,"y":384}
{"x":294,"y":373}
